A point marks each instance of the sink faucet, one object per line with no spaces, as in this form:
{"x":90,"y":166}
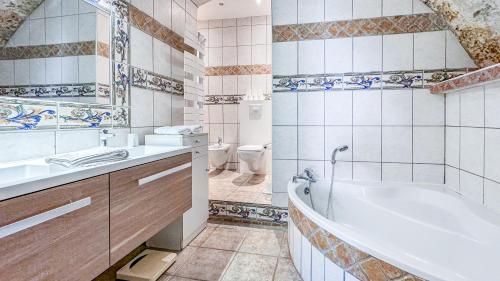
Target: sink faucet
{"x":104,"y":135}
{"x":219,"y":141}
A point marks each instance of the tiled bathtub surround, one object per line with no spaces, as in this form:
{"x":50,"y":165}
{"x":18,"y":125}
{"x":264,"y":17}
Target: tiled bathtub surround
{"x":366,"y":91}
{"x":318,"y":254}
{"x":473,"y":143}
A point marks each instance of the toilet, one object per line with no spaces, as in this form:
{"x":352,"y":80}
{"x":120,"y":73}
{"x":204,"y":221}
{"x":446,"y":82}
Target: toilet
{"x":218,"y":154}
{"x":253,"y":156}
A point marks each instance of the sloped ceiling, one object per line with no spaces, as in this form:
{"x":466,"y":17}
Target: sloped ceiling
{"x":12,"y":15}
{"x":476,"y":23}
{"x":198,"y":3}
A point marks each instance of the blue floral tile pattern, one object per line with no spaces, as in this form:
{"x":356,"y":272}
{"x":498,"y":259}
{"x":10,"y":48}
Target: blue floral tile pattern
{"x":248,"y":212}
{"x":121,"y":117}
{"x":27,"y":115}
{"x":84,"y":116}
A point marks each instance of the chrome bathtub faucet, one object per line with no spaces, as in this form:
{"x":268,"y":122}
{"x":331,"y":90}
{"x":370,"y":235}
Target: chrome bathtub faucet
{"x":307,"y":175}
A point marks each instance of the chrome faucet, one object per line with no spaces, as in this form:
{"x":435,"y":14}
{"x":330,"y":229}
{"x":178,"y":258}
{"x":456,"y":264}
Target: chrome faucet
{"x":219,"y":141}
{"x":307,"y":175}
{"x":104,"y":135}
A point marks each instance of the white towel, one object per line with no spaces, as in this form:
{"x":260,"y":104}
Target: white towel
{"x":179,"y":130}
{"x":90,"y":157}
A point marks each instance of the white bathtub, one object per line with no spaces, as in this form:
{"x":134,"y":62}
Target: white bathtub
{"x":424,"y":230}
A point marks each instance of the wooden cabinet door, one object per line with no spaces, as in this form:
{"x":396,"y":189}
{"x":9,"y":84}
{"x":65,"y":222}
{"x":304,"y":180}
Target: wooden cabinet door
{"x":145,"y":199}
{"x":59,"y":234}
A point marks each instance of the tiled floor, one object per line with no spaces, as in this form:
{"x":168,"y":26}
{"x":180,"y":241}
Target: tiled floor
{"x":232,"y":186}
{"x":235,"y":253}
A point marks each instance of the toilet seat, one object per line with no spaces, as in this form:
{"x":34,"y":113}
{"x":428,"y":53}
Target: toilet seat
{"x":251,"y":148}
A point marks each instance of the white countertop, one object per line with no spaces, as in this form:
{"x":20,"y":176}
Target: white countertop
{"x":12,"y":186}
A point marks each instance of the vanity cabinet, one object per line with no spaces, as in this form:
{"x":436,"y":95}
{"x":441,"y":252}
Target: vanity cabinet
{"x":60,"y":233}
{"x":145,"y":199}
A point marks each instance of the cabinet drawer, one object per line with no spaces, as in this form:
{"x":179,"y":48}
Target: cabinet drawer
{"x":56,"y":234}
{"x":146,"y":198}
{"x":196,"y":140}
{"x":199,"y":151}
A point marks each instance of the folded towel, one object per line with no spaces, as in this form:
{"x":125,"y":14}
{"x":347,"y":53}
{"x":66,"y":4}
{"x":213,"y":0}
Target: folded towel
{"x":179,"y":130}
{"x":89,"y":157}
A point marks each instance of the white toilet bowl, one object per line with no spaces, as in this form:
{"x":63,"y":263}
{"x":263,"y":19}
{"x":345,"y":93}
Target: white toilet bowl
{"x":218,"y":154}
{"x":252,"y":155}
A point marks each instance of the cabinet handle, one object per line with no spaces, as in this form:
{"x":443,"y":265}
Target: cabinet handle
{"x":43,"y":217}
{"x":196,"y":141}
{"x":160,"y":175}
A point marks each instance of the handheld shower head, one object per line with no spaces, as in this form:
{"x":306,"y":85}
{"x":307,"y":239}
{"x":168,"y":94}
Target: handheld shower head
{"x":336,"y":150}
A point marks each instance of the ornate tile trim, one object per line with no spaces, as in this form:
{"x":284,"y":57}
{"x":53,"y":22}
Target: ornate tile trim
{"x":121,"y":53}
{"x":72,"y":115}
{"x":121,"y":117}
{"x":27,"y":115}
{"x":359,"y":27}
{"x":222,"y":99}
{"x":103,"y":49}
{"x":153,"y":81}
{"x":416,"y":79}
{"x":248,"y":211}
{"x":49,"y":91}
{"x":358,"y":263}
{"x":85,"y":48}
{"x":472,"y":79}
{"x":151,"y":26}
{"x":238,"y":70}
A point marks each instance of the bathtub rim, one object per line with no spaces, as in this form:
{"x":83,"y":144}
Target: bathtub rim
{"x":371,"y":247}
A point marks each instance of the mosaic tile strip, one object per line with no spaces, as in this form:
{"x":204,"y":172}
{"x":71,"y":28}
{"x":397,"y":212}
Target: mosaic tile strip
{"x":121,"y":117}
{"x":475,"y":24}
{"x":103,"y":49}
{"x":120,"y":53}
{"x":154,"y":28}
{"x":415,"y":79}
{"x":73,"y":115}
{"x":359,"y":27}
{"x":13,"y":15}
{"x":248,"y":211}
{"x":223,"y":99}
{"x":49,"y":91}
{"x":360,"y":264}
{"x":26,"y":115}
{"x":153,"y":81}
{"x":475,"y":78}
{"x":85,"y":48}
{"x":238,"y":70}
{"x":103,"y":91}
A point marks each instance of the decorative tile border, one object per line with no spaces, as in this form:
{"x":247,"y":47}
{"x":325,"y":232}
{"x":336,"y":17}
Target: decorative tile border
{"x":103,"y":49}
{"x":27,"y":115}
{"x":151,"y":26}
{"x":238,"y":70}
{"x":49,"y":91}
{"x":85,"y":48}
{"x":248,"y":212}
{"x":120,"y":53}
{"x":222,"y":99}
{"x":121,"y":117}
{"x":359,"y":27}
{"x":358,"y":263}
{"x":153,"y":81}
{"x":417,"y":79}
{"x":471,"y":79}
{"x":72,"y":115}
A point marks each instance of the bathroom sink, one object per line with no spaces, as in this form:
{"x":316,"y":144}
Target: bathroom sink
{"x":25,"y":171}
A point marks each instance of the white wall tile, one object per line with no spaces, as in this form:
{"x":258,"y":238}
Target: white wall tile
{"x":492,"y":104}
{"x":428,"y":145}
{"x":336,"y":136}
{"x":419,"y":7}
{"x":142,"y":103}
{"x":311,"y":11}
{"x":142,"y":132}
{"x":311,"y":142}
{"x":141,"y":46}
{"x":397,"y":144}
{"x":283,"y":170}
{"x":53,"y":70}
{"x":338,"y":10}
{"x":87,"y":27}
{"x":311,"y":108}
{"x":144,"y":5}
{"x":69,"y":7}
{"x":7,"y":72}
{"x":297,"y":249}
{"x":26,"y":145}
{"x":259,"y":34}
{"x":215,"y":114}
{"x":259,"y":54}
{"x":367,"y":107}
{"x":398,"y":50}
{"x":453,"y":146}
{"x":162,"y":109}
{"x":230,"y":112}
{"x":428,"y":109}
{"x":215,"y":35}
{"x":333,"y":272}
{"x":367,"y":143}
{"x":472,"y":150}
{"x":471,"y":186}
{"x":306,"y":260}
{"x":311,"y":57}
{"x":284,"y":12}
{"x":162,"y":63}
{"x":163,"y":12}
{"x":230,"y":84}
{"x":338,"y":108}
{"x":397,"y":7}
{"x":22,"y":72}
{"x":453,"y":109}
{"x":231,"y":133}
{"x":86,"y":69}
{"x":367,"y":8}
{"x":37,"y":32}
{"x":318,"y":265}
{"x":284,"y":108}
{"x":74,"y":140}
{"x":37,"y":71}
{"x":456,"y":56}
{"x":259,"y":85}
{"x":53,"y":28}
{"x":397,"y":172}
{"x":214,"y":56}
{"x":318,"y":167}
{"x":338,"y":55}
{"x":452,"y":178}
{"x":69,"y":31}
{"x":216,"y":131}
{"x":215,"y":85}
{"x":244,"y":36}
{"x":492,"y":195}
{"x":425,"y":173}
{"x":343,"y":170}
{"x":229,"y":36}
{"x":367,"y":54}
{"x":397,"y":107}
{"x":69,"y":66}
{"x":244,"y":55}
{"x":472,"y":107}
{"x":367,"y":171}
{"x":178,"y":18}
{"x":492,"y":153}
{"x":285,"y":58}
{"x":430,"y":50}
{"x":286,"y":139}
{"x":244,"y":84}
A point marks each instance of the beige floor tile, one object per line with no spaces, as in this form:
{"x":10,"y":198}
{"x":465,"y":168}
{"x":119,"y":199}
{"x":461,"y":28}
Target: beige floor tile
{"x":205,"y":264}
{"x":203,"y":236}
{"x":242,"y":196}
{"x":285,"y":271}
{"x":264,"y":242}
{"x":250,"y":267}
{"x":284,"y":250}
{"x":182,"y":258}
{"x":263,"y":199}
{"x":174,"y":278}
{"x":225,"y":239}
